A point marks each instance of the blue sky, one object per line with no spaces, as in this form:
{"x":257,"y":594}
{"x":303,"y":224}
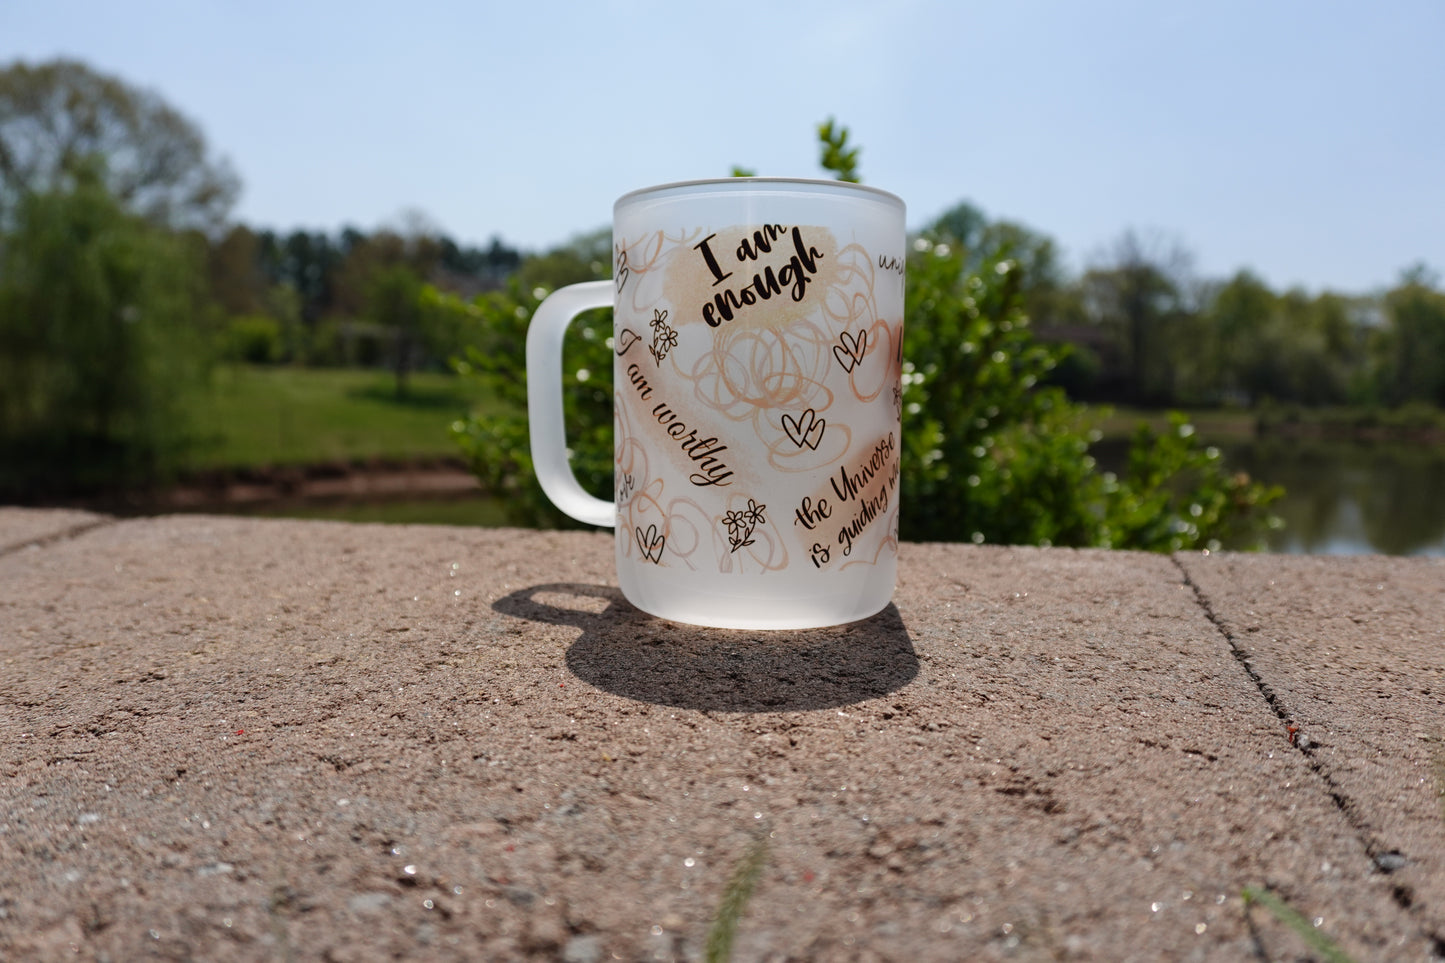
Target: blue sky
{"x":1305,"y":140}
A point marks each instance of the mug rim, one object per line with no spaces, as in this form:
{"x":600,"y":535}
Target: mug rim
{"x":807,"y":183}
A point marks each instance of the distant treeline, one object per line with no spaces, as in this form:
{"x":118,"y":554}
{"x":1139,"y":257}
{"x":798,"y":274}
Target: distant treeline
{"x":1144,"y":337}
{"x":309,"y":297}
{"x":1141,"y":329}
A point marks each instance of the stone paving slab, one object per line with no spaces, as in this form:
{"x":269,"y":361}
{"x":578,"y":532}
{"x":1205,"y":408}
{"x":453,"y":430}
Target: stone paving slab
{"x":23,"y":527}
{"x":250,"y":739}
{"x":1351,"y":654}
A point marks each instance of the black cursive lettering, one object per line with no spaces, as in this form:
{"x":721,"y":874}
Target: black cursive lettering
{"x":794,"y":276}
{"x":848,"y":485}
{"x":809,"y":514}
{"x":870,"y":509}
{"x":634,"y":374}
{"x":762,"y":242}
{"x":711,"y":470}
{"x":712,"y":265}
{"x":702,"y":452}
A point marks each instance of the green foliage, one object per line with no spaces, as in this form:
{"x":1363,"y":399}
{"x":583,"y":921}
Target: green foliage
{"x":1141,"y":299}
{"x":254,"y":339}
{"x":837,"y":157}
{"x":1248,"y":344}
{"x":1318,"y":942}
{"x":1415,"y":345}
{"x":280,"y":415}
{"x":990,"y":453}
{"x":394,"y":303}
{"x":497,"y":445}
{"x":736,"y":894}
{"x":101,"y":333}
{"x":1165,"y":339}
{"x":60,"y":116}
{"x":987,"y":454}
{"x":1177,"y":494}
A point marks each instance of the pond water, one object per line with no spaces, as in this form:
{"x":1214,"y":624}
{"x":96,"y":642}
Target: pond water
{"x":1351,"y":498}
{"x":1340,"y":498}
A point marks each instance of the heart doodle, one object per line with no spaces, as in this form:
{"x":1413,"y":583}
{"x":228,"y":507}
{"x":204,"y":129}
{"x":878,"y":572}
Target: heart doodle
{"x":651,"y":543}
{"x":805,"y":430}
{"x":851,"y":350}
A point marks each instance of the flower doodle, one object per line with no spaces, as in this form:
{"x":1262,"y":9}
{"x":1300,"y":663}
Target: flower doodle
{"x":664,"y":337}
{"x":740,"y":524}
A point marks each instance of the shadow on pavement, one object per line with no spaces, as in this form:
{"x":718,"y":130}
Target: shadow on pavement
{"x":629,"y":653}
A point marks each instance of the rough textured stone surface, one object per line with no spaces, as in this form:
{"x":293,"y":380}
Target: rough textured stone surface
{"x":1351,"y":654}
{"x":242,"y":739}
{"x":24,"y":527}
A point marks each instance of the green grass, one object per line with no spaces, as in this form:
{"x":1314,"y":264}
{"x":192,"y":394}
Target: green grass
{"x":735,"y":896}
{"x":1318,"y":942}
{"x":254,"y":416}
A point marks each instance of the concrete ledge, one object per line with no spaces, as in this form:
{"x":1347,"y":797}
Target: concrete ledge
{"x":28,"y":528}
{"x":227,"y":738}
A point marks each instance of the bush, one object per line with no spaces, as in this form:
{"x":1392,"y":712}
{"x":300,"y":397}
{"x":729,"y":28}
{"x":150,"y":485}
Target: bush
{"x":254,"y":339}
{"x":498,"y":448}
{"x":101,"y":333}
{"x":990,"y":453}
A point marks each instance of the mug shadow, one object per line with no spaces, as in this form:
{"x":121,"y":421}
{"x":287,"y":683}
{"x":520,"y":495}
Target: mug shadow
{"x":629,"y":653}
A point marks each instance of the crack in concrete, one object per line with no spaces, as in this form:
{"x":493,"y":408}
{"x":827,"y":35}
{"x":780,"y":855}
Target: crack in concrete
{"x":1380,"y":857}
{"x":74,"y":531}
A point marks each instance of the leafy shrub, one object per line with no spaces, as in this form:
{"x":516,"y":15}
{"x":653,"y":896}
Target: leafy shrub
{"x":254,"y":339}
{"x":990,"y":453}
{"x":498,"y":447}
{"x":101,"y":332}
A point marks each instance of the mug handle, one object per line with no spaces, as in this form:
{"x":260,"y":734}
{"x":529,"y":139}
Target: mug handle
{"x":544,"y":400}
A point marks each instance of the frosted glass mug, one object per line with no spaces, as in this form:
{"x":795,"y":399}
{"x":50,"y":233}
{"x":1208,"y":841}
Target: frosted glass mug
{"x":757,"y":341}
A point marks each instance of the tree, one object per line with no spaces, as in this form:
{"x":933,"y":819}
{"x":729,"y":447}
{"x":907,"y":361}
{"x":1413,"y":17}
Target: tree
{"x":1048,"y":297}
{"x":57,"y":118}
{"x":237,"y":281}
{"x":101,"y":337}
{"x":1415,"y":366}
{"x":1229,"y":365}
{"x":497,"y":446}
{"x":477,"y":267}
{"x":991,"y":453}
{"x":838,"y":157}
{"x":394,"y":302}
{"x":1248,"y":344}
{"x":1139,"y":292}
{"x":583,"y":258}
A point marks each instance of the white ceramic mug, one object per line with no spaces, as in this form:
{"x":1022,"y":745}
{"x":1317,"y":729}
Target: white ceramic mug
{"x":757,"y":336}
